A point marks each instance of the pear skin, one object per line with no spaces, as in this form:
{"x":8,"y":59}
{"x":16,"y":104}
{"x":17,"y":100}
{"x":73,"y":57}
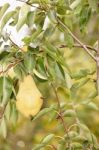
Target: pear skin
{"x":29,"y":98}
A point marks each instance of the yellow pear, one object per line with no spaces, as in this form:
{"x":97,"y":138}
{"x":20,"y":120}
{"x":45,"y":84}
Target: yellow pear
{"x":29,"y":98}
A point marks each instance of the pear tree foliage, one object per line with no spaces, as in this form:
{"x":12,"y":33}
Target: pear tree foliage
{"x":58,"y":40}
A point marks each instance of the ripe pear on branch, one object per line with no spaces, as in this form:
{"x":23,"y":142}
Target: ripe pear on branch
{"x":29,"y":98}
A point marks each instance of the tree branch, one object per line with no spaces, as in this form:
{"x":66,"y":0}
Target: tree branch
{"x":97,"y":63}
{"x":60,"y":113}
{"x":30,"y":4}
{"x":80,"y":46}
{"x":75,"y":38}
{"x":10,"y":66}
{"x":14,"y":44}
{"x":3,"y":109}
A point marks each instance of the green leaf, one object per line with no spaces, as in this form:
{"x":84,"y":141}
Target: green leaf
{"x":84,"y":17}
{"x":14,"y":113}
{"x":43,"y":112}
{"x":85,"y":144}
{"x":47,"y":139}
{"x":35,"y":38}
{"x":63,"y":92}
{"x":52,"y":16}
{"x":40,"y":65}
{"x":39,"y":75}
{"x":83,"y":127}
{"x":93,"y":4}
{"x":19,"y":70}
{"x":75,"y":4}
{"x":15,"y":17}
{"x":68,"y":80}
{"x":3,"y":55}
{"x":6,"y":18}
{"x":79,"y":138}
{"x":59,"y":71}
{"x":23,"y":16}
{"x":69,"y":113}
{"x":92,"y":95}
{"x":34,"y":1}
{"x":49,"y":31}
{"x":69,"y":40}
{"x":39,"y":18}
{"x":38,"y":147}
{"x":61,"y":9}
{"x":29,"y":62}
{"x":72,"y":135}
{"x":38,"y":1}
{"x":77,"y":145}
{"x":82,"y":73}
{"x":62,"y":146}
{"x":1,"y":89}
{"x":8,"y":111}
{"x":79,"y":84}
{"x":50,"y":48}
{"x":54,"y":53}
{"x":52,"y":117}
{"x":27,"y":40}
{"x":30,"y":18}
{"x":92,"y":106}
{"x":7,"y":89}
{"x":3,"y":128}
{"x":3,"y":10}
{"x":36,"y":34}
{"x":95,"y":141}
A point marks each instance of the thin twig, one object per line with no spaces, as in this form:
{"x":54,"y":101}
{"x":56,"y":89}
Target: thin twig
{"x":52,"y":147}
{"x":76,"y":39}
{"x":3,"y":111}
{"x":14,"y":44}
{"x":80,"y":46}
{"x":10,"y":66}
{"x":60,"y":113}
{"x":97,"y":63}
{"x":30,"y":4}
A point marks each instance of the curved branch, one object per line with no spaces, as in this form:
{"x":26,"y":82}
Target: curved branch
{"x":97,"y":63}
{"x":30,"y":4}
{"x":60,"y":113}
{"x":80,"y":46}
{"x":10,"y":66}
{"x":76,"y":39}
{"x":14,"y":44}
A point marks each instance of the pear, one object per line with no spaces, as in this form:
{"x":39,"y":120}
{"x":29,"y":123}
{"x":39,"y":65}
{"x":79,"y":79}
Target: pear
{"x":29,"y":98}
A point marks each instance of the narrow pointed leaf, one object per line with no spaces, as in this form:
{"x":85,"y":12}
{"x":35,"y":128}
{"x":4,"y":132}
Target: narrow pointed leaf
{"x":6,"y":18}
{"x":3,"y":10}
{"x":7,"y":89}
